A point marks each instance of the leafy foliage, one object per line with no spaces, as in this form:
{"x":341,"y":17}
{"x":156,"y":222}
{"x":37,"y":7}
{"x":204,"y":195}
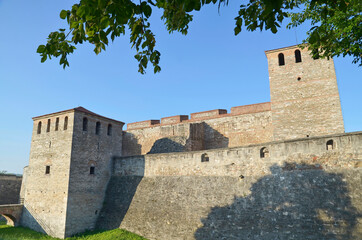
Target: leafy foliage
{"x":336,"y":30}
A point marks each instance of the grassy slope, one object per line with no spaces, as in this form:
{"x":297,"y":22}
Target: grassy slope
{"x":16,"y":233}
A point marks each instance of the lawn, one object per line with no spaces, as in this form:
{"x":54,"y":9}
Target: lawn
{"x":16,"y":233}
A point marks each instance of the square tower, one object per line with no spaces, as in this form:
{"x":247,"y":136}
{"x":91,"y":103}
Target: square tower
{"x":304,"y":94}
{"x":69,"y":168}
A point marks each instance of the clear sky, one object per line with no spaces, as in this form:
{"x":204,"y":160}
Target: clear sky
{"x":208,"y":69}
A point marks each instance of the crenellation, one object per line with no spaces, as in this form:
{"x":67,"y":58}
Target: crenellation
{"x":207,"y":175}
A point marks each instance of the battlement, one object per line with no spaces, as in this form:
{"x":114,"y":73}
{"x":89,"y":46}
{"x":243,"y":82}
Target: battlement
{"x":200,"y":116}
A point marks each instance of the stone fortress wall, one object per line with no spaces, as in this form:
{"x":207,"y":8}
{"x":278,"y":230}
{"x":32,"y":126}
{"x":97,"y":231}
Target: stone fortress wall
{"x":304,"y":103}
{"x":204,"y":130}
{"x":295,"y":189}
{"x":284,"y":169}
{"x":10,"y":185}
{"x":10,"y":188}
{"x":62,"y":196}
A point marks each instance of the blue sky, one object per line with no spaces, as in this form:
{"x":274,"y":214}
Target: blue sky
{"x":208,"y":69}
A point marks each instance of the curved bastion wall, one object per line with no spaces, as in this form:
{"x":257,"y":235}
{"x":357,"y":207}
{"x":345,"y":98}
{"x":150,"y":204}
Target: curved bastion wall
{"x":296,"y":189}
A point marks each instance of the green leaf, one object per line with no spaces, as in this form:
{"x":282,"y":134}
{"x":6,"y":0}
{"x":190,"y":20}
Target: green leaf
{"x":44,"y":58}
{"x":63,"y":14}
{"x":40,"y":49}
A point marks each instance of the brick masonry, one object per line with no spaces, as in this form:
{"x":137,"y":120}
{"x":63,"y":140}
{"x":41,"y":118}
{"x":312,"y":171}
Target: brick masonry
{"x":304,"y":103}
{"x":262,"y":171}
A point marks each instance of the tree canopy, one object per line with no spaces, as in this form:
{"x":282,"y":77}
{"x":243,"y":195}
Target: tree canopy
{"x":336,"y":25}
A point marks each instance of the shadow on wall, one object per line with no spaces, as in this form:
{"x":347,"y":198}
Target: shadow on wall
{"x":120,"y":192}
{"x":29,"y":220}
{"x":170,"y":144}
{"x":294,"y":202}
{"x":130,"y":145}
{"x":214,"y":139}
{"x":202,"y":136}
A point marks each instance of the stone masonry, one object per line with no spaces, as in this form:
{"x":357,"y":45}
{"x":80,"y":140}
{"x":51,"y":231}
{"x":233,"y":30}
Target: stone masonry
{"x":283,"y":169}
{"x":10,"y":188}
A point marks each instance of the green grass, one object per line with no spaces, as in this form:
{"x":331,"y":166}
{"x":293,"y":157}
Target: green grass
{"x":16,"y":233}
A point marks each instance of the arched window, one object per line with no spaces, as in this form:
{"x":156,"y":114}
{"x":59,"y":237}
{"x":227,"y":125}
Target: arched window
{"x":98,"y":128}
{"x":330,"y":145}
{"x":264,"y":152}
{"x":48,"y":126}
{"x":109,"y":130}
{"x":204,"y":157}
{"x":281,"y":59}
{"x":298,"y":56}
{"x":65,"y":123}
{"x":56,"y":124}
{"x":39,"y":128}
{"x":85,"y":124}
{"x":92,"y":167}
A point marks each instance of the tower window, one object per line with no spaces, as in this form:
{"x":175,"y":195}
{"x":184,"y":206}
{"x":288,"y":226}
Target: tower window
{"x":330,"y":145}
{"x":65,"y":123}
{"x":56,"y":124}
{"x":281,"y":59}
{"x":109,"y":130}
{"x":48,"y":126}
{"x":91,"y":170}
{"x":264,"y":152}
{"x":205,"y":157}
{"x":39,"y":128}
{"x":98,"y":128}
{"x":298,"y":56}
{"x":47,"y":169}
{"x":85,"y":124}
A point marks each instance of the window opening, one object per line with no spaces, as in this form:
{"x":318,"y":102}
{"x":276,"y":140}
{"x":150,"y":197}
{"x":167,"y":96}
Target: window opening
{"x":330,"y":145}
{"x":48,"y":126}
{"x":281,"y":59}
{"x":109,"y":130}
{"x":298,"y":56}
{"x":39,"y":128}
{"x":47,"y":169}
{"x":56,"y":124}
{"x":91,"y":170}
{"x":264,"y":152}
{"x":98,"y":128}
{"x":85,"y":124}
{"x":65,"y":123}
{"x":205,"y":157}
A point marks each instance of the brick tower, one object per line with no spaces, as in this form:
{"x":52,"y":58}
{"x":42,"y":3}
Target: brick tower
{"x":69,"y":168}
{"x":304,"y":94}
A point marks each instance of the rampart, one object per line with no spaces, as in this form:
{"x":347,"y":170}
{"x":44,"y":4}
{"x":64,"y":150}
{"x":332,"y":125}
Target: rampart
{"x":10,"y":185}
{"x":244,"y":125}
{"x":297,"y":189}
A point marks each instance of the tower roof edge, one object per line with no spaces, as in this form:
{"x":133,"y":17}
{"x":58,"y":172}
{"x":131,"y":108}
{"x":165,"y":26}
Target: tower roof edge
{"x":77,"y":109}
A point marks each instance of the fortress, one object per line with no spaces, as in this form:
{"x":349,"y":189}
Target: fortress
{"x":284,"y":169}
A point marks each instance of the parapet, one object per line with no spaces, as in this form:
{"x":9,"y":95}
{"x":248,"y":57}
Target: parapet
{"x":200,"y":116}
{"x":208,"y":114}
{"x":253,"y":108}
{"x":174,"y":119}
{"x":142,"y":124}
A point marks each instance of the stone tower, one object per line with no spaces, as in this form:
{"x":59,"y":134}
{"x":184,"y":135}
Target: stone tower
{"x":304,"y":94}
{"x":69,"y":168}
